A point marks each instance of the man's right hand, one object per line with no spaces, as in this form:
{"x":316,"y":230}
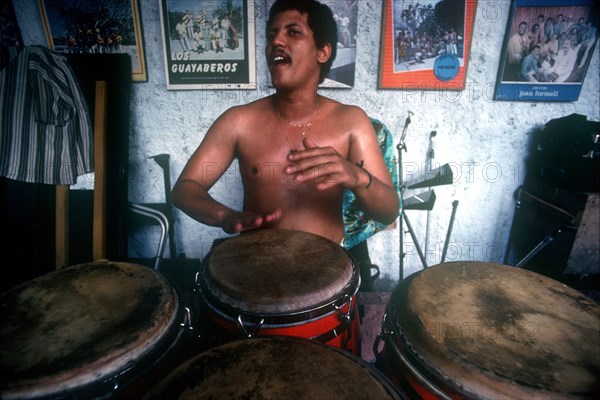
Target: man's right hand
{"x":243,"y":221}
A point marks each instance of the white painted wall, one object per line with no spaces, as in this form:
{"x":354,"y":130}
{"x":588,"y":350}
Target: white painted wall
{"x":484,"y":140}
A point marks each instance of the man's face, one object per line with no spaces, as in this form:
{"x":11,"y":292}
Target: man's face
{"x":522,"y":28}
{"x":292,"y":55}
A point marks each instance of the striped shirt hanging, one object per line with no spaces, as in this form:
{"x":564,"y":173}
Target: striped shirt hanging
{"x":45,"y":130}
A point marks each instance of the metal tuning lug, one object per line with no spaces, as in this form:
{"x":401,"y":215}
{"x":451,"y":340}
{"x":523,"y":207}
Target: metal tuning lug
{"x":245,"y":331}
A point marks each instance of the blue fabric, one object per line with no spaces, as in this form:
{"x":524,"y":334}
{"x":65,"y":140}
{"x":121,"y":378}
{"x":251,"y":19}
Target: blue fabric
{"x":357,"y":226}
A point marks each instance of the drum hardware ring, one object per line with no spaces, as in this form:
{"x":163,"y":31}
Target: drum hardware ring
{"x":243,"y":328}
{"x":187,"y":319}
{"x":381,"y":335}
{"x":346,"y":319}
{"x":387,"y":335}
{"x":416,"y":373}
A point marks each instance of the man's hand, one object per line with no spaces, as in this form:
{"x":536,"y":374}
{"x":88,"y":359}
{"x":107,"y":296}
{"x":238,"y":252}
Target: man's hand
{"x":242,"y":221}
{"x":324,"y":167}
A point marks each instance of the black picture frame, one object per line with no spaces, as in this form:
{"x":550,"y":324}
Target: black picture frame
{"x":10,"y":35}
{"x":96,"y":27}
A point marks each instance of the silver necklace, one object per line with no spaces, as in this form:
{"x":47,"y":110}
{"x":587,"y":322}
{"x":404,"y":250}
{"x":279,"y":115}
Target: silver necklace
{"x":305,"y":127}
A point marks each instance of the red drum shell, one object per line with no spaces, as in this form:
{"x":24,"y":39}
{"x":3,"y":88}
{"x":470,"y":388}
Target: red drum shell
{"x":280,"y":282}
{"x":481,"y":330}
{"x":85,"y":330}
{"x":275,"y":368}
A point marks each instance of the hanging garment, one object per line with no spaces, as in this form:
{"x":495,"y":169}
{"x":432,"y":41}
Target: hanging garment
{"x":45,"y":130}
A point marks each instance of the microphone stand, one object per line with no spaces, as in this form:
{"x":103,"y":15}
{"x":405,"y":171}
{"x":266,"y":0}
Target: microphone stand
{"x":403,"y":218}
{"x":428,"y":168}
{"x":401,"y":147}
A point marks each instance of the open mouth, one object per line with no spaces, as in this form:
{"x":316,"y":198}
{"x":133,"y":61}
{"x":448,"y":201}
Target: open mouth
{"x":280,"y":59}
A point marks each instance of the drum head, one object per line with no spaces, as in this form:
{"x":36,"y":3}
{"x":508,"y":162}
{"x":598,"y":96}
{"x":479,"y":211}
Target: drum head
{"x":80,"y":325}
{"x":278,"y":271}
{"x":497,"y":331}
{"x":274,"y":368}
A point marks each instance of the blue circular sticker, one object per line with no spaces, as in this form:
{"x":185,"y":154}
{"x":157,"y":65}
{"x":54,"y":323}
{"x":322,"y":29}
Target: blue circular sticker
{"x":446,"y":67}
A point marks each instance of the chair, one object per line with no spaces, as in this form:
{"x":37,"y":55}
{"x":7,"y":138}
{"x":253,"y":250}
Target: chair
{"x":161,"y":220}
{"x":160,"y":214}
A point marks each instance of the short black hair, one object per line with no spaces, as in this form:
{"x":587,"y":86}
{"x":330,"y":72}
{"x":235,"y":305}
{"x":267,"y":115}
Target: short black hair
{"x":320,"y":20}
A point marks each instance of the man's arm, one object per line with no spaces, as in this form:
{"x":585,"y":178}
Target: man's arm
{"x":377,"y":198}
{"x":204,"y":168}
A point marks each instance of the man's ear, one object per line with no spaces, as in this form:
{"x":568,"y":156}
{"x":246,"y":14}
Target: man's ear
{"x":324,"y":53}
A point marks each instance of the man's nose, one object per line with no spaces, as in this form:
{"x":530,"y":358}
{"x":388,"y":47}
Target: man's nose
{"x":277,"y":40}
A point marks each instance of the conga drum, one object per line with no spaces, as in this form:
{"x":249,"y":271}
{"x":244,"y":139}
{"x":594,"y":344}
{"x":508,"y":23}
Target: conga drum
{"x":275,"y":368}
{"x":277,"y":282}
{"x":487,"y":331}
{"x":86,"y":331}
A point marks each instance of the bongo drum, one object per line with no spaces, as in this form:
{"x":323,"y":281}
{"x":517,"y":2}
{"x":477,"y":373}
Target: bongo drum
{"x":85,"y":331}
{"x":487,"y":331}
{"x":283,"y":283}
{"x":275,"y":368}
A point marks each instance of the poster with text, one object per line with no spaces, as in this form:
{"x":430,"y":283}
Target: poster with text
{"x":547,"y":50}
{"x":209,"y":44}
{"x":425,"y":44}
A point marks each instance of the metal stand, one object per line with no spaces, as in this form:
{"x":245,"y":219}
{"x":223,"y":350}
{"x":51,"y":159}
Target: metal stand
{"x":403,"y":218}
{"x":545,"y":242}
{"x":450,"y":225}
{"x":428,"y":168}
{"x":424,"y":201}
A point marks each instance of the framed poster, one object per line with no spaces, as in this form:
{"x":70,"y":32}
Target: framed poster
{"x":425,"y":44}
{"x":343,"y":69}
{"x":208,"y":44}
{"x":9,"y":29}
{"x":547,"y":49}
{"x":96,"y":26}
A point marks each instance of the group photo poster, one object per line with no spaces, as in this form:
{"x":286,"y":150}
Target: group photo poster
{"x":96,"y":27}
{"x":547,"y":50}
{"x":209,"y":44}
{"x":425,"y":44}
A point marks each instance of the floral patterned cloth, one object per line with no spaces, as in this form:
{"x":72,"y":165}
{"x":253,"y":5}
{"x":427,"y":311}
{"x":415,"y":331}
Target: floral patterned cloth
{"x":357,"y":226}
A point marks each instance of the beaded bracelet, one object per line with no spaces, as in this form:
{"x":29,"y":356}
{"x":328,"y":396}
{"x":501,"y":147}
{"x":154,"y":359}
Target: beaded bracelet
{"x":370,"y":178}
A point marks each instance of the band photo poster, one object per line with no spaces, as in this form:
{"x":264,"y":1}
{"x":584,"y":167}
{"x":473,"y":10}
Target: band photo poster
{"x":209,"y":44}
{"x":425,"y":44}
{"x":96,"y":27}
{"x":547,"y":50}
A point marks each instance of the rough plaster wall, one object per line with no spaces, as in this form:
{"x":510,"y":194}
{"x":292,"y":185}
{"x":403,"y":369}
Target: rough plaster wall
{"x":483,"y":140}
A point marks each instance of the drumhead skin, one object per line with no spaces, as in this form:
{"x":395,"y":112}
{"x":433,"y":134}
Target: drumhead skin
{"x":80,"y":325}
{"x":277,"y":271}
{"x":493,"y":331}
{"x":274,"y":368}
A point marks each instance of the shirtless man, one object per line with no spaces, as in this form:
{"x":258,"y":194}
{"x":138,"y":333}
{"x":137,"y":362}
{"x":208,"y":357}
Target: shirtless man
{"x":297,"y":151}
